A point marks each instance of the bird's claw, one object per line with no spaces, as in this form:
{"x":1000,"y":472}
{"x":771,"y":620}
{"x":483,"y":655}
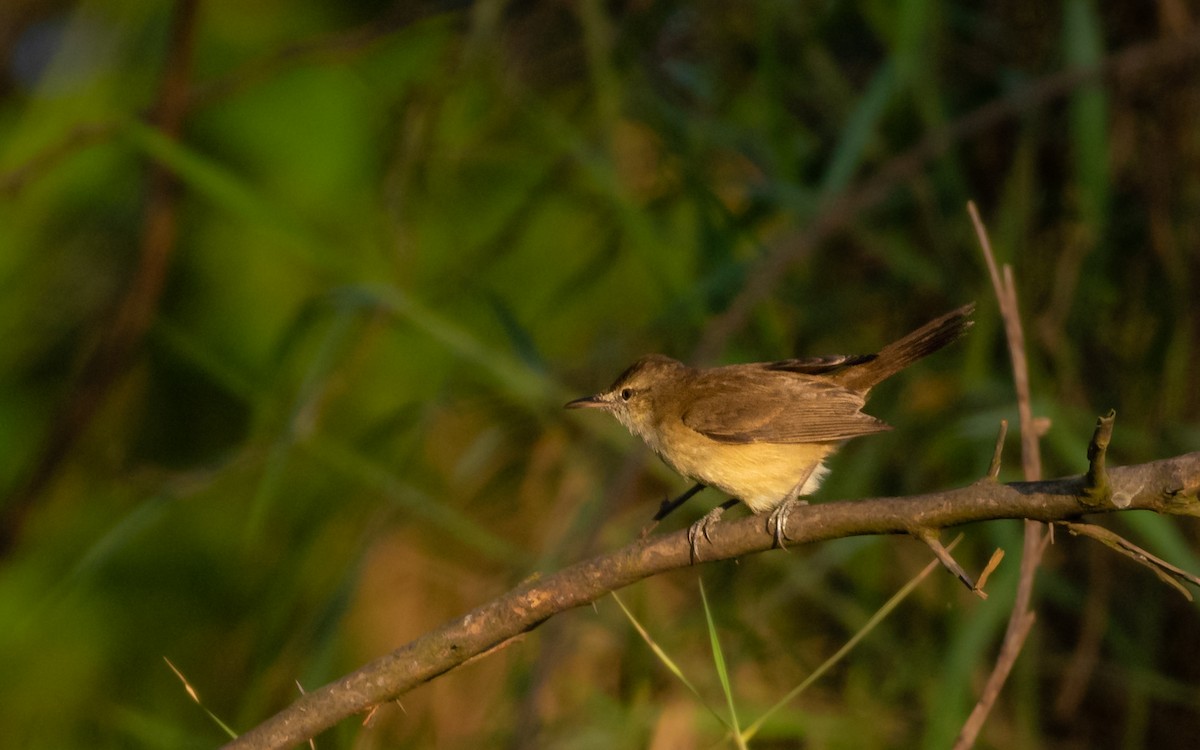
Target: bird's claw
{"x":777,"y":521}
{"x":700,"y":529}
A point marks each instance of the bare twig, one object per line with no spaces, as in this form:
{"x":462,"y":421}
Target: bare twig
{"x":993,"y":563}
{"x":1006,"y":296}
{"x":1098,"y":491}
{"x":1168,"y":486}
{"x":929,"y":536}
{"x":1165,"y":571}
{"x":1021,"y":619}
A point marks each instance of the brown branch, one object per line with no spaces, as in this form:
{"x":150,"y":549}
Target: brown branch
{"x":1166,"y":572}
{"x":1034,"y":543}
{"x":1006,"y":296}
{"x":1169,"y":486}
{"x":929,"y":536}
{"x":135,"y":314}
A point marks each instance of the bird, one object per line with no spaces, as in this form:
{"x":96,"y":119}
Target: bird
{"x":760,"y":432}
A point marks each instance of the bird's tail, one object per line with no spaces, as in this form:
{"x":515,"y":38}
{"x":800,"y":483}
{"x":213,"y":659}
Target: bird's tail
{"x":900,"y":354}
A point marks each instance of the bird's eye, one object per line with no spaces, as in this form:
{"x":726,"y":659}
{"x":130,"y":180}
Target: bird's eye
{"x":626,"y":394}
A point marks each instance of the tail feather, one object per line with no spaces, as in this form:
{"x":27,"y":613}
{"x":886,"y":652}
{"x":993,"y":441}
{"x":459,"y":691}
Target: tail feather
{"x":901,"y":353}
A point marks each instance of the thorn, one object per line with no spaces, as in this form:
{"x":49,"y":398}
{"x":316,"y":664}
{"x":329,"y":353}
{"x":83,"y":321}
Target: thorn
{"x":991,"y":566}
{"x":929,"y":536}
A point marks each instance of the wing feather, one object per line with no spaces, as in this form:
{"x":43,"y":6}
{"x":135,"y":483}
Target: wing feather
{"x":748,"y":404}
{"x":828,"y":363}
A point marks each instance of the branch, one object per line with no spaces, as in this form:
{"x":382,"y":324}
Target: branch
{"x":1166,"y":572}
{"x":1169,"y":486}
{"x":1021,"y":619}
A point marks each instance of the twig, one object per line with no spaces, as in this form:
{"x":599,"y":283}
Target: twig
{"x":993,"y":563}
{"x":1021,"y":619}
{"x":1098,"y":491}
{"x":1165,"y":571}
{"x":1005,"y":289}
{"x":930,"y":537}
{"x":1168,"y":486}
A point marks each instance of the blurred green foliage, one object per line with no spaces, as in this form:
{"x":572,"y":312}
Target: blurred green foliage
{"x":408,"y":234}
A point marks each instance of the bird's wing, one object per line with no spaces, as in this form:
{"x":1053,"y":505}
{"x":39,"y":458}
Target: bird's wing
{"x":784,"y":409}
{"x":819,"y":365}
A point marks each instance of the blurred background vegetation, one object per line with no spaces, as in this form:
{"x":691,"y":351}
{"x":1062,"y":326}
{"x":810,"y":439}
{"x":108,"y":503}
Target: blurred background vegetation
{"x":291,"y":295}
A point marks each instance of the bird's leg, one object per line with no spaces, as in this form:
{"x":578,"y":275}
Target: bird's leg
{"x":668,"y":506}
{"x":778,"y":517}
{"x":701,"y":527}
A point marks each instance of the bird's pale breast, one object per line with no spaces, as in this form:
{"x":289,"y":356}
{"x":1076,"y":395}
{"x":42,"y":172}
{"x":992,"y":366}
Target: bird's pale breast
{"x":761,"y":475}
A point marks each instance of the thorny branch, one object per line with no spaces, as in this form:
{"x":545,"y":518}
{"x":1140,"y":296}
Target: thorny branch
{"x":1169,"y":486}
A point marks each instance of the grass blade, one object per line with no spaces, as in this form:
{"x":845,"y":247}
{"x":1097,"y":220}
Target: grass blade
{"x":666,"y":660}
{"x":875,"y":619}
{"x":722,"y":671}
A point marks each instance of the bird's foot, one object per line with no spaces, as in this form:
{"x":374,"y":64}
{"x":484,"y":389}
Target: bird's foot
{"x":777,"y":521}
{"x":700,"y":529}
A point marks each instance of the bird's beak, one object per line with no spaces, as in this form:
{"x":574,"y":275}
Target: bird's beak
{"x":587,"y":402}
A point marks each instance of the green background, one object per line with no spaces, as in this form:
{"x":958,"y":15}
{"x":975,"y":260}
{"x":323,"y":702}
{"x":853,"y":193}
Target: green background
{"x":407,"y":235}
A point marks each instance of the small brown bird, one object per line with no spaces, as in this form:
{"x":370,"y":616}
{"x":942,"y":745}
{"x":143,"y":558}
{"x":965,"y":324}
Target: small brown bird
{"x":760,"y":432}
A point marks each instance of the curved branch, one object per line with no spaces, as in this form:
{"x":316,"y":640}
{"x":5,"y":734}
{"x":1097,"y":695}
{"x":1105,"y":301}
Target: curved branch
{"x":1168,"y":486}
